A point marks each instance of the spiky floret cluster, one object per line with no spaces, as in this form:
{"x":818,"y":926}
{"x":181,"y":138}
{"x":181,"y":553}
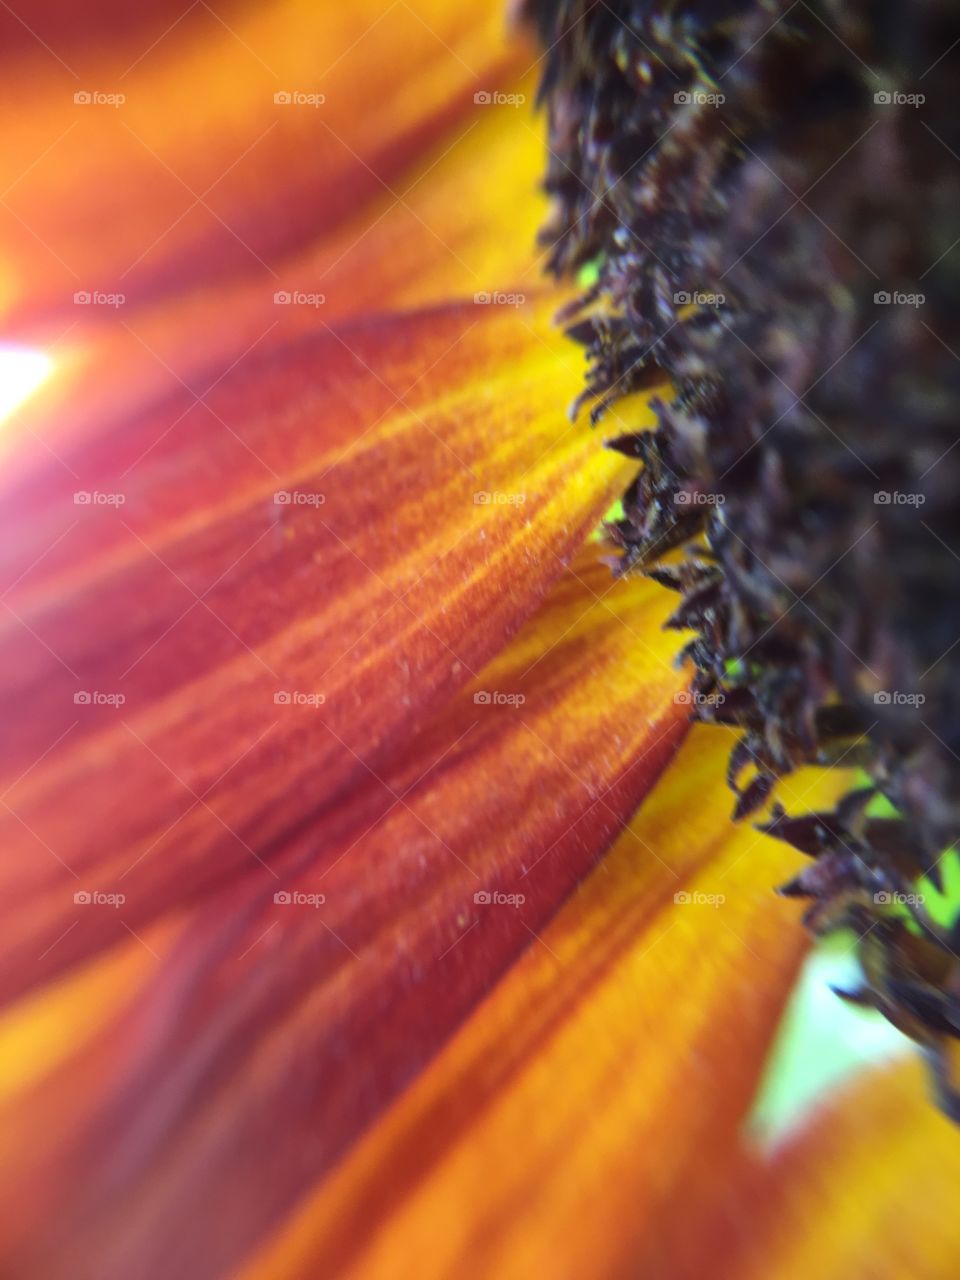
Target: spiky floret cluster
{"x":772,"y":213}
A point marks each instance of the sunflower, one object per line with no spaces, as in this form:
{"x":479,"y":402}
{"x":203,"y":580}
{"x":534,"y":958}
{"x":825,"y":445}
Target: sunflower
{"x":371,"y":906}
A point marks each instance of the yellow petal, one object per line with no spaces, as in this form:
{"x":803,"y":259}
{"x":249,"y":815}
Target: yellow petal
{"x":555,"y":1135}
{"x":866,"y":1189}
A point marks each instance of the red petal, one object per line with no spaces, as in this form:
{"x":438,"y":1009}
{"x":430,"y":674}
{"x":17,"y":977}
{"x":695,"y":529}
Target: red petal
{"x":272,"y":1021}
{"x":201,"y":599}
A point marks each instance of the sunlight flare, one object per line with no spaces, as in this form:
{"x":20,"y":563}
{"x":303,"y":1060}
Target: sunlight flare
{"x":22,"y":370}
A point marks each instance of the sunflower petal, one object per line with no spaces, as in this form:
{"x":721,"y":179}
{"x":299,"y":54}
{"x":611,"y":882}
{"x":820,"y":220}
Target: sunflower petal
{"x":268,"y":650}
{"x":261,"y":176}
{"x":840,"y":1198}
{"x":276,"y":1014}
{"x":454,"y":235}
{"x":612,"y":1062}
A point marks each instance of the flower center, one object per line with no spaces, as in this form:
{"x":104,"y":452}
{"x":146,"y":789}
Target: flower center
{"x":760,"y":202}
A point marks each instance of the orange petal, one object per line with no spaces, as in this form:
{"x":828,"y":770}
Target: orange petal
{"x":454,"y":234}
{"x":271,"y":1020}
{"x":555,"y":1134}
{"x":198,"y":173}
{"x":452,"y":497}
{"x":868,"y":1188}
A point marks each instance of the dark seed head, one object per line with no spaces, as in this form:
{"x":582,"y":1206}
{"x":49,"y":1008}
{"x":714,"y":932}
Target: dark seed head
{"x":772,"y":194}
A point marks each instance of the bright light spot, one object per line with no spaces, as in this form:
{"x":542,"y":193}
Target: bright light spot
{"x":823,"y":1042}
{"x":21,"y":372}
